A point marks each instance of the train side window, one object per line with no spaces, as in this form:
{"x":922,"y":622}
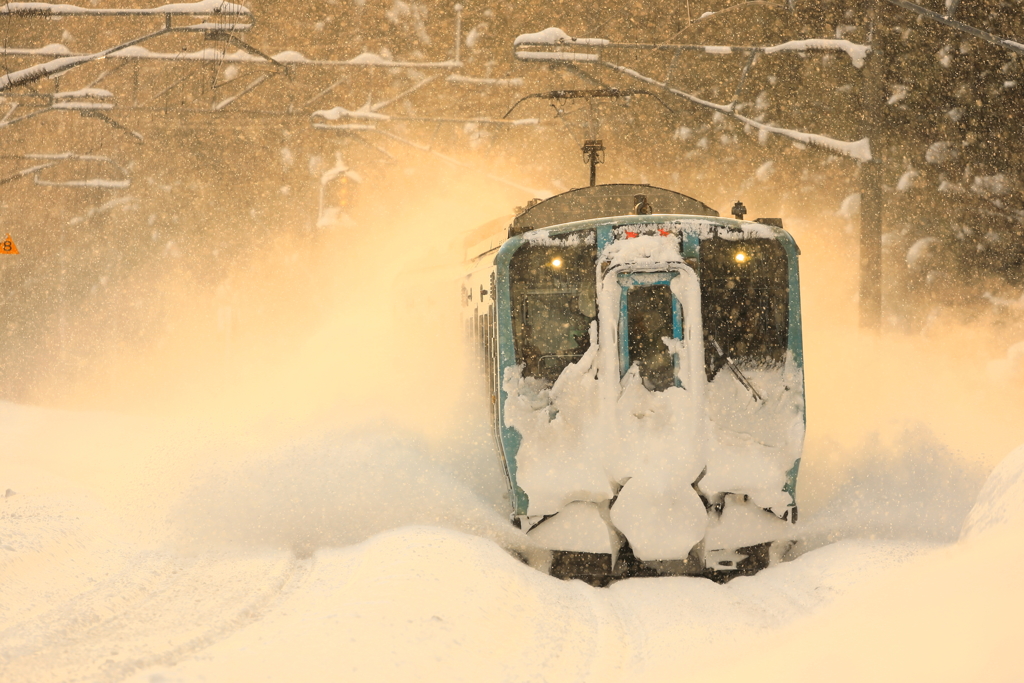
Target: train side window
{"x":553,"y":303}
{"x":744,"y":302}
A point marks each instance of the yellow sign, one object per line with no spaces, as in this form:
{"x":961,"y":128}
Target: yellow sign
{"x":7,"y":246}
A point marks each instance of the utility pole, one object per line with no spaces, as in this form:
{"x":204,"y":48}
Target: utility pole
{"x":593,"y":154}
{"x":871,"y":200}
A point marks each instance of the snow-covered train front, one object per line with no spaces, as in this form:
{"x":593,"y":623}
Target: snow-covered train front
{"x":645,"y":366}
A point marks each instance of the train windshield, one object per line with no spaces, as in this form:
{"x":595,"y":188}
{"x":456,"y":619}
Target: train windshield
{"x":650,"y":320}
{"x":744,"y":302}
{"x":553,"y":288}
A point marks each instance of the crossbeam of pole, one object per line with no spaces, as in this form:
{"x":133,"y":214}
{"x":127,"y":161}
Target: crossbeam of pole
{"x":855,"y":51}
{"x":59,"y":66}
{"x":338,"y":113}
{"x":51,"y":160}
{"x":79,"y":106}
{"x":205,"y":8}
{"x":28,"y":171}
{"x":70,"y":61}
{"x":607,"y":93}
{"x":218,"y":31}
{"x":290,"y":59}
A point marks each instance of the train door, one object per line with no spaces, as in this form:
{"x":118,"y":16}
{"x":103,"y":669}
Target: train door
{"x":657,"y":317}
{"x":649,"y":314}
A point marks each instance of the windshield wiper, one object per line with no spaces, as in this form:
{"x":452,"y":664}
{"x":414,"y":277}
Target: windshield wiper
{"x":737,"y":373}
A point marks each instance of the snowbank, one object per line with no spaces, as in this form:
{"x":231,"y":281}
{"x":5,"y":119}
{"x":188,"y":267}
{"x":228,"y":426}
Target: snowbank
{"x":340,"y":488}
{"x":1000,"y":504}
{"x":914,"y":488}
{"x":1009,"y":369}
{"x":949,"y":615}
{"x":422,"y":602}
{"x":433,"y":605}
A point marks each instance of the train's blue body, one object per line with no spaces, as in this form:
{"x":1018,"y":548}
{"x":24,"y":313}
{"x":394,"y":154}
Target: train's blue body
{"x":645,"y":366}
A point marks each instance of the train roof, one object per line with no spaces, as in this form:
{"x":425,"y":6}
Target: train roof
{"x":602,"y":201}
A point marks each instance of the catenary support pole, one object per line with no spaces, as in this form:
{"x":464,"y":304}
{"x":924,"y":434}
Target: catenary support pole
{"x":870,"y":246}
{"x":871,"y":199}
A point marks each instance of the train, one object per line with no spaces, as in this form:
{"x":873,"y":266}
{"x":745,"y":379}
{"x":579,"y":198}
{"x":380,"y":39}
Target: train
{"x":643,"y":359}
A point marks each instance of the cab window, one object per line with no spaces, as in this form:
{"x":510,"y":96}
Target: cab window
{"x":554,"y":300}
{"x":744,"y":287}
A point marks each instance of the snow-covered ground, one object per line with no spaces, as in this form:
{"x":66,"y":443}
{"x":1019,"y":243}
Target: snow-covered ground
{"x":171,"y":549}
{"x":275,"y":568}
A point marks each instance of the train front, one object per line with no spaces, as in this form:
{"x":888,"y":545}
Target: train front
{"x":651,"y":403}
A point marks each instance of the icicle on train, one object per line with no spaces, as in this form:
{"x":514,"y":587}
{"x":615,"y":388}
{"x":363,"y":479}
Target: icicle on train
{"x":645,"y":367}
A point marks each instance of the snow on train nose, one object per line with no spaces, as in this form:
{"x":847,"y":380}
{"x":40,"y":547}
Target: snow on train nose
{"x":580,"y":527}
{"x":628,"y":475}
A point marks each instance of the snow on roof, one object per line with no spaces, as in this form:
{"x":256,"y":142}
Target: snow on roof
{"x":545,"y":237}
{"x":707,"y":227}
{"x":643,"y":249}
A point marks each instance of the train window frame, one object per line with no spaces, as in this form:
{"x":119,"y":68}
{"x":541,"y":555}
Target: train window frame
{"x":535,"y":276}
{"x":638,"y":281}
{"x":750,"y":277}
